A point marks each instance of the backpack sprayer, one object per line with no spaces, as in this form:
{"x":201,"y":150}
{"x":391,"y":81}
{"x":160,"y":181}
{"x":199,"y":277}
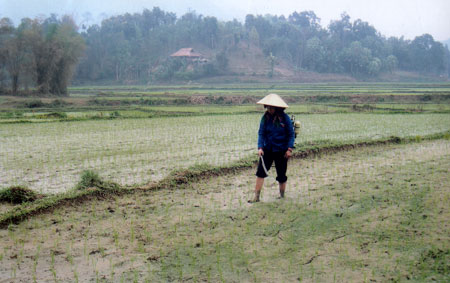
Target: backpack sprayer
{"x":296,"y":125}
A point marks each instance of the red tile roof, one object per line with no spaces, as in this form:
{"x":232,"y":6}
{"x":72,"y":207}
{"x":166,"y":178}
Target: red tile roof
{"x":186,"y":52}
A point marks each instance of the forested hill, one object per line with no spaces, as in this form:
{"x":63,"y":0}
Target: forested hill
{"x":136,"y":48}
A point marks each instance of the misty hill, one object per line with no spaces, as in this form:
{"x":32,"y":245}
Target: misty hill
{"x":136,"y":48}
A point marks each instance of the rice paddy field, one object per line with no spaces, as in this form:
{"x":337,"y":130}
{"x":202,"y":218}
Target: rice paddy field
{"x":371,"y":214}
{"x":50,"y":157}
{"x":369,"y":205}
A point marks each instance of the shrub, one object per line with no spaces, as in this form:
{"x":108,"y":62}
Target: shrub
{"x":114,"y":114}
{"x":60,"y":115}
{"x":14,"y":114}
{"x":426,"y":98}
{"x":185,"y":75}
{"x":17,"y":195}
{"x":365,"y":107}
{"x":150,"y":101}
{"x":89,"y":179}
{"x":34,"y":103}
{"x":58,"y":103}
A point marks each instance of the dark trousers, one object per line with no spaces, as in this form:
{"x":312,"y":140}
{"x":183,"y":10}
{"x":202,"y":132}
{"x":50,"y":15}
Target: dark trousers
{"x":280,"y":165}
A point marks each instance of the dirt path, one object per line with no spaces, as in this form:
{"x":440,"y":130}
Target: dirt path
{"x":368,"y":214}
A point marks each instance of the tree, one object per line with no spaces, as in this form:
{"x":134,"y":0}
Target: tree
{"x":262,"y":25}
{"x":341,"y":30}
{"x":420,"y":49}
{"x":56,"y":47}
{"x":438,"y":58}
{"x":374,"y":67}
{"x":69,"y":46}
{"x":362,"y":30}
{"x":14,"y":56}
{"x":10,"y":52}
{"x":249,"y":21}
{"x":222,"y":60}
{"x":209,"y":30}
{"x":231,"y":33}
{"x":356,"y":58}
{"x":254,"y":36}
{"x":189,"y":28}
{"x":391,"y":63}
{"x":39,"y":38}
{"x":272,"y":59}
{"x":306,"y":20}
{"x":6,"y":28}
{"x":447,"y":60}
{"x":315,"y":55}
{"x":307,"y":25}
{"x":92,"y":64}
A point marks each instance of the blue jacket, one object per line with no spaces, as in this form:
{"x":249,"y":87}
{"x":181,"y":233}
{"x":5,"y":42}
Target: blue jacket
{"x":275,"y":135}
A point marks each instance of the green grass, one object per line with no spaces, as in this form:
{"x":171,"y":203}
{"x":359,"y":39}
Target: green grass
{"x":17,"y":195}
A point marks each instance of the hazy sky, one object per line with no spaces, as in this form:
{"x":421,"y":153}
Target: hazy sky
{"x":409,"y":18}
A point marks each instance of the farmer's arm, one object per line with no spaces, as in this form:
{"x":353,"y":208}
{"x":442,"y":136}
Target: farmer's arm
{"x":261,"y":133}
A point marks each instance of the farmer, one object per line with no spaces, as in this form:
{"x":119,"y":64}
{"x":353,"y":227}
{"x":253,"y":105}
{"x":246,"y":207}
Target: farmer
{"x":275,"y":142}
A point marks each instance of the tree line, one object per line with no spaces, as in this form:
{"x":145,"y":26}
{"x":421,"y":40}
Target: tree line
{"x":355,"y":48}
{"x":40,"y":54}
{"x":136,"y":48}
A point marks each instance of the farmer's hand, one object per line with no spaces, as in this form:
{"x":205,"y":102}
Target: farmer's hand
{"x":288,"y":154}
{"x":260,"y":152}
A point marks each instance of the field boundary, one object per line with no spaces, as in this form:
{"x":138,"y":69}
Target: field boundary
{"x":383,"y":111}
{"x":182,"y":178}
{"x":355,"y":109}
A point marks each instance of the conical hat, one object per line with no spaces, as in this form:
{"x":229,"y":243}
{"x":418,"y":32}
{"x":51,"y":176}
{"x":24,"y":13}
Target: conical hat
{"x":273,"y":99}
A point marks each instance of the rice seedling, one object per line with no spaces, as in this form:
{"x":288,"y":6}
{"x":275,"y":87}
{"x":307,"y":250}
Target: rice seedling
{"x":356,"y":216}
{"x":49,"y":158}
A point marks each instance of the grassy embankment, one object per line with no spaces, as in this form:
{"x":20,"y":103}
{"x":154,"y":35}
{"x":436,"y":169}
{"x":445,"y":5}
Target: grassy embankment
{"x":112,"y":102}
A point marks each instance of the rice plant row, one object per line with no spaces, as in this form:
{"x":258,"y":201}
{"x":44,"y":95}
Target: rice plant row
{"x":49,"y":157}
